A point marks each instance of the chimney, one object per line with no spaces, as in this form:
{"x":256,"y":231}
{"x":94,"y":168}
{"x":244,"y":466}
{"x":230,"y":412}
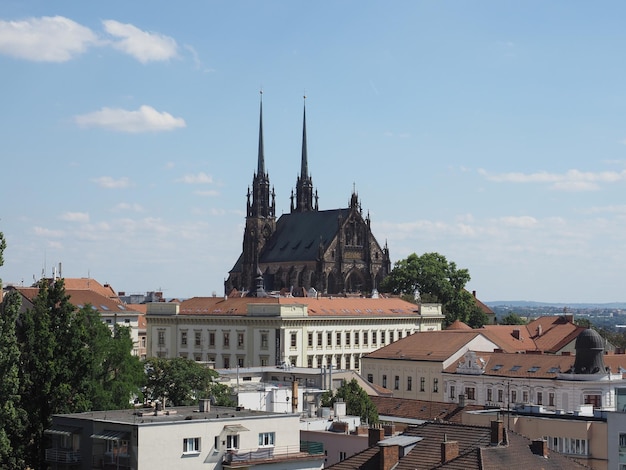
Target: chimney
{"x":389,"y":456}
{"x":539,"y":447}
{"x":497,"y":432}
{"x":474,"y":293}
{"x":539,"y":330}
{"x":449,"y":449}
{"x":462,"y":400}
{"x":375,"y":435}
{"x":204,"y":405}
{"x":294,"y":396}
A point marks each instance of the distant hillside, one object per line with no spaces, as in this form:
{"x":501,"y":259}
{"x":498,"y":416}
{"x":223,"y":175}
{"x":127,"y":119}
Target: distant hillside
{"x":553,"y":305}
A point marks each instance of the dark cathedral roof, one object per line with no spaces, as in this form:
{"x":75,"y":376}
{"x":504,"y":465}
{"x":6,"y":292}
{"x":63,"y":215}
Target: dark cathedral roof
{"x":299,"y":234}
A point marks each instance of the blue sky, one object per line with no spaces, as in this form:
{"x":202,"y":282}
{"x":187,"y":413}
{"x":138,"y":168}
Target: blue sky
{"x":491,"y":132}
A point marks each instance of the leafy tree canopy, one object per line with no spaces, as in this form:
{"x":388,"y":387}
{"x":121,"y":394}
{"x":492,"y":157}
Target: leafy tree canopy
{"x":512,"y":319}
{"x":358,"y":402}
{"x":181,"y":381}
{"x":436,"y":279}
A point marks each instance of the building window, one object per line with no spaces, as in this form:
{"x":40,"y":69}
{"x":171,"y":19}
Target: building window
{"x":240,"y":361}
{"x":382,"y":337}
{"x":198,"y":336}
{"x":329,"y":339}
{"x":422,"y":384}
{"x":342,"y":455}
{"x":409,"y":383}
{"x":310,"y":340}
{"x":338,"y":337}
{"x":525,"y":396}
{"x":232,"y":442}
{"x":366,"y":338}
{"x":384,"y":381}
{"x":266,"y":439}
{"x":143,"y":341}
{"x":183,"y":338}
{"x":191,"y":445}
{"x":551,"y":399}
{"x":370,"y":378}
{"x":319,"y":340}
{"x":374,"y":335}
{"x":396,"y":383}
{"x":348,"y":334}
{"x":357,"y":334}
{"x":470,"y":393}
{"x":452,"y":392}
{"x":400,"y":334}
{"x":309,"y":362}
{"x":489,"y":394}
{"x":513,"y":396}
{"x":226,"y":362}
{"x":161,"y":338}
{"x":500,"y":395}
{"x":226,"y":339}
{"x":595,"y":400}
{"x":435,"y":385}
{"x":338,"y":361}
{"x":264,"y":361}
{"x":539,"y":398}
{"x":263,"y":340}
{"x":240,"y":340}
{"x":294,"y":340}
{"x":211,"y":339}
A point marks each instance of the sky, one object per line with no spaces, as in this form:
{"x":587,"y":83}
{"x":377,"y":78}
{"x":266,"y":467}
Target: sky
{"x":491,"y":132}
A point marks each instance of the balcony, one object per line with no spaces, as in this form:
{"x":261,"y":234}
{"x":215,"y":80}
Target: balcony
{"x":263,"y":455}
{"x":110,"y":461}
{"x":62,"y":456}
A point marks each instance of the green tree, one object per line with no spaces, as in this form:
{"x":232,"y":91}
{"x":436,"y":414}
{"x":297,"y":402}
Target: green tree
{"x":180,"y":381}
{"x":436,"y":280}
{"x":512,"y":319}
{"x":12,"y":418}
{"x":358,"y":402}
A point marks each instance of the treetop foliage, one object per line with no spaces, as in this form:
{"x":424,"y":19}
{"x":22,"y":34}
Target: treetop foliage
{"x":435,"y":279}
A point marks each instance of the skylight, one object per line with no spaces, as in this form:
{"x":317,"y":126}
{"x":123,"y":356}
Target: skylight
{"x":497,"y":367}
{"x":553,"y":370}
{"x":104,"y":307}
{"x":534,"y":368}
{"x":515,"y":368}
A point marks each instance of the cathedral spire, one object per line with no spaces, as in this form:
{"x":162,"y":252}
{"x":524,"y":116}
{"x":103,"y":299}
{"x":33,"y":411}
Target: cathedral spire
{"x":261,"y":158}
{"x":304,"y":166}
{"x":304,"y":186}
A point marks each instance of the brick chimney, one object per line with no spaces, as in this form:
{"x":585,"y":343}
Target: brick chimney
{"x":539,"y":447}
{"x":497,"y":432}
{"x":389,"y":456}
{"x":374,"y":436}
{"x":449,"y":449}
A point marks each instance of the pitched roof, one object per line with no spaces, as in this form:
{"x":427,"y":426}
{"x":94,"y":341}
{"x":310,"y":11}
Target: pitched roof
{"x":426,"y":346}
{"x":475,"y":451}
{"x":316,"y":306}
{"x":85,"y":283}
{"x":420,"y":409}
{"x":298,"y":235}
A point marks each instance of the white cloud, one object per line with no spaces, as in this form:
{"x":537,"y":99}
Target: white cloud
{"x":125,"y":206}
{"x":200,"y":178}
{"x":112,"y":183}
{"x":524,"y":221}
{"x":142,"y":45}
{"x":45,"y":39}
{"x":571,"y":180}
{"x":145,"y":119}
{"x":75,"y":217}
{"x":44,"y":232}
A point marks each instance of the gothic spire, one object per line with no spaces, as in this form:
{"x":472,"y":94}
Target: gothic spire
{"x":304,"y":166}
{"x":261,"y":162}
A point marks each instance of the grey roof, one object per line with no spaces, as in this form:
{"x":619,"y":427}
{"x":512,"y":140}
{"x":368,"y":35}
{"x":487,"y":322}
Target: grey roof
{"x":299,"y":234}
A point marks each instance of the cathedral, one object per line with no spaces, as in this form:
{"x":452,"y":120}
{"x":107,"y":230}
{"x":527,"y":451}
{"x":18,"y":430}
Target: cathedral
{"x":331,"y":251}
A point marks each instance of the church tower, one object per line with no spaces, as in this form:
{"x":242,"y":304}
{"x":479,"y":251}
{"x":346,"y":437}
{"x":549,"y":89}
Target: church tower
{"x":304,"y":185}
{"x":260,"y":216}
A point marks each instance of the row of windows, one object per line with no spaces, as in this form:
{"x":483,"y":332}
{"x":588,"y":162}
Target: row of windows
{"x":498,"y":397}
{"x":198,"y":339}
{"x":568,"y":445}
{"x":339,"y":361}
{"x":191,"y":445}
{"x":348,"y":338}
{"x":409,"y":383}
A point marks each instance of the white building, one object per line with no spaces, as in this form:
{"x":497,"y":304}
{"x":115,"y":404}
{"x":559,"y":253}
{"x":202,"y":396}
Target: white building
{"x":295,"y":331}
{"x":201,"y":437}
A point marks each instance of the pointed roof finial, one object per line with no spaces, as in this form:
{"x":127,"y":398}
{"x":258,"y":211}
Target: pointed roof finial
{"x":261,"y":158}
{"x":304,"y":167}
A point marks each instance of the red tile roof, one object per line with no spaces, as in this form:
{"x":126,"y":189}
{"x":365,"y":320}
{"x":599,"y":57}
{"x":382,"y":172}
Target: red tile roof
{"x":421,"y":409}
